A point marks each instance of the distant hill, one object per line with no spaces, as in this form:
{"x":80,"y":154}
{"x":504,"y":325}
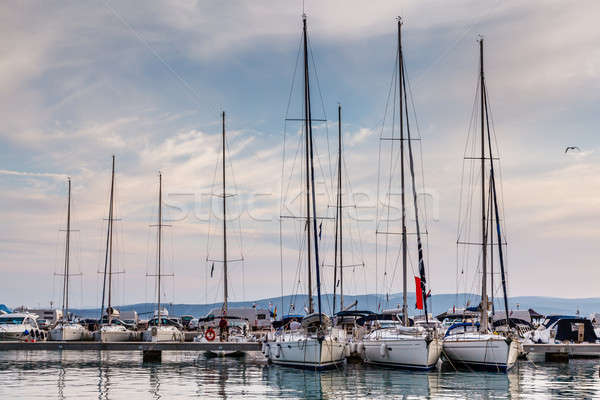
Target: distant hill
{"x":439,"y":303}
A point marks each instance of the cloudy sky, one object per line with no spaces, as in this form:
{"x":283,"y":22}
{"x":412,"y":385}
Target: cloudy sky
{"x":83,"y":80}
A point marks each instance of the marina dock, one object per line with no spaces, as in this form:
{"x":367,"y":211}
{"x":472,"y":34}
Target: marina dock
{"x":564,"y":351}
{"x":150,"y":351}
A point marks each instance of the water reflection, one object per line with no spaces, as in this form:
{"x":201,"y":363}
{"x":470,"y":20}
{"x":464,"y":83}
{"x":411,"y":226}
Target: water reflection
{"x":186,"y":375}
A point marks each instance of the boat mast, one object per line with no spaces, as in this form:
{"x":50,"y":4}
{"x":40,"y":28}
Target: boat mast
{"x":308,"y":129}
{"x":159,"y":241}
{"x":311,"y":177}
{"x":484,"y":299}
{"x":67,"y":254}
{"x":496,"y":212}
{"x":108,"y":254}
{"x":404,"y":239}
{"x":225,"y":293}
{"x":338,"y":222}
{"x":422,"y":275}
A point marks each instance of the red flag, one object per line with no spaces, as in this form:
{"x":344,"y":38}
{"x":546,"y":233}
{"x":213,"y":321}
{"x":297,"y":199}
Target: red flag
{"x":419,"y":293}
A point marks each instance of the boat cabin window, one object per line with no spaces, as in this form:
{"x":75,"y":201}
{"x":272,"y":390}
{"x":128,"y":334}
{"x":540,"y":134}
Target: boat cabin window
{"x":11,"y":320}
{"x":261,"y":316}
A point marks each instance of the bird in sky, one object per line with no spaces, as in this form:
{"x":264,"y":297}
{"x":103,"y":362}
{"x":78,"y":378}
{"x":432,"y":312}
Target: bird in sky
{"x":572,"y":148}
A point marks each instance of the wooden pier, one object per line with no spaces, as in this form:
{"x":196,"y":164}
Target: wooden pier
{"x":150,"y":351}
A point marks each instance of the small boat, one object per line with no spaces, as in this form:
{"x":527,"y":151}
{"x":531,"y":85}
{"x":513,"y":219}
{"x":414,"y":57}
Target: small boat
{"x":19,"y":326}
{"x":66,"y":329}
{"x":161,"y":328}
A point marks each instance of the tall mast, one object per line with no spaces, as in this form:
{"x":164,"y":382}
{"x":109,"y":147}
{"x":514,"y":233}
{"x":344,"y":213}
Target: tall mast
{"x":311,"y":176}
{"x":110,"y":247}
{"x":224,"y":227}
{"x":340,"y":205}
{"x":494,"y":195}
{"x":422,"y":275}
{"x":484,"y":299}
{"x":404,"y":240}
{"x":159,"y":241}
{"x":307,"y":133}
{"x":338,"y":222}
{"x":67,"y":254}
{"x":108,"y":254}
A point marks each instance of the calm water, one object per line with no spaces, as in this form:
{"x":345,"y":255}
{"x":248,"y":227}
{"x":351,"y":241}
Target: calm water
{"x":115,"y":375}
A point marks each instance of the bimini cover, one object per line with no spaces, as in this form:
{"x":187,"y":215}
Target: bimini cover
{"x":5,"y":309}
{"x":312,"y":321}
{"x":567,"y":329}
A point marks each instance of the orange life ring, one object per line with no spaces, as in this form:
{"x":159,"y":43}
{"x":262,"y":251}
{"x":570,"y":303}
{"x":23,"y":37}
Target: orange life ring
{"x":210,"y":334}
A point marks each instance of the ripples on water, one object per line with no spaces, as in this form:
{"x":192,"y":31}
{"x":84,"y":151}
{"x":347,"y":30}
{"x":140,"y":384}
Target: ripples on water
{"x":118,"y":375}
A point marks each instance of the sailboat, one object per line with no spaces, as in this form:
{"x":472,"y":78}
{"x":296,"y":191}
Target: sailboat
{"x":404,"y":346}
{"x":470,"y":343}
{"x":161,"y":328}
{"x":65,"y":329}
{"x":315,"y":345}
{"x":234,"y":334}
{"x":112,"y":329}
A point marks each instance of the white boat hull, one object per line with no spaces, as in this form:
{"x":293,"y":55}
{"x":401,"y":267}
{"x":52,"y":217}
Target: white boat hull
{"x":67,"y":333}
{"x":163,"y":334}
{"x":485,"y":351}
{"x":309,"y":353}
{"x":412,"y":353}
{"x":115,"y":336}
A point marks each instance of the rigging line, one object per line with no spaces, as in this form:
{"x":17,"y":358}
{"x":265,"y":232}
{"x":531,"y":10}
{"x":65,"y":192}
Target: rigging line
{"x":195,"y":96}
{"x":285,"y":126}
{"x":389,"y":188}
{"x":418,"y":229}
{"x":377,"y":221}
{"x":316,"y":75}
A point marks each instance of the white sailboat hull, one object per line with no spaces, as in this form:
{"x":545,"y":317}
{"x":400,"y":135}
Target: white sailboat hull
{"x":486,"y":351}
{"x":412,"y":353}
{"x":163,"y":334}
{"x":67,"y":333}
{"x":114,"y":335}
{"x":306,"y":352}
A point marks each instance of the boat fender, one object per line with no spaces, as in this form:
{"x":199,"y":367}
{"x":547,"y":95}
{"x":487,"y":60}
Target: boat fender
{"x":210,"y":334}
{"x":353,"y":347}
{"x":264,"y":349}
{"x":278,"y":351}
{"x":383,"y":350}
{"x":360,"y":348}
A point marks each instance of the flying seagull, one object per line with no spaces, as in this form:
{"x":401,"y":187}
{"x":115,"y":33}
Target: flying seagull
{"x":572,"y":148}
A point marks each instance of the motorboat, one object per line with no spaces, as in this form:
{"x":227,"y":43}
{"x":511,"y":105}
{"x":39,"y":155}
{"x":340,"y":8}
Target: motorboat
{"x":20,"y":326}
